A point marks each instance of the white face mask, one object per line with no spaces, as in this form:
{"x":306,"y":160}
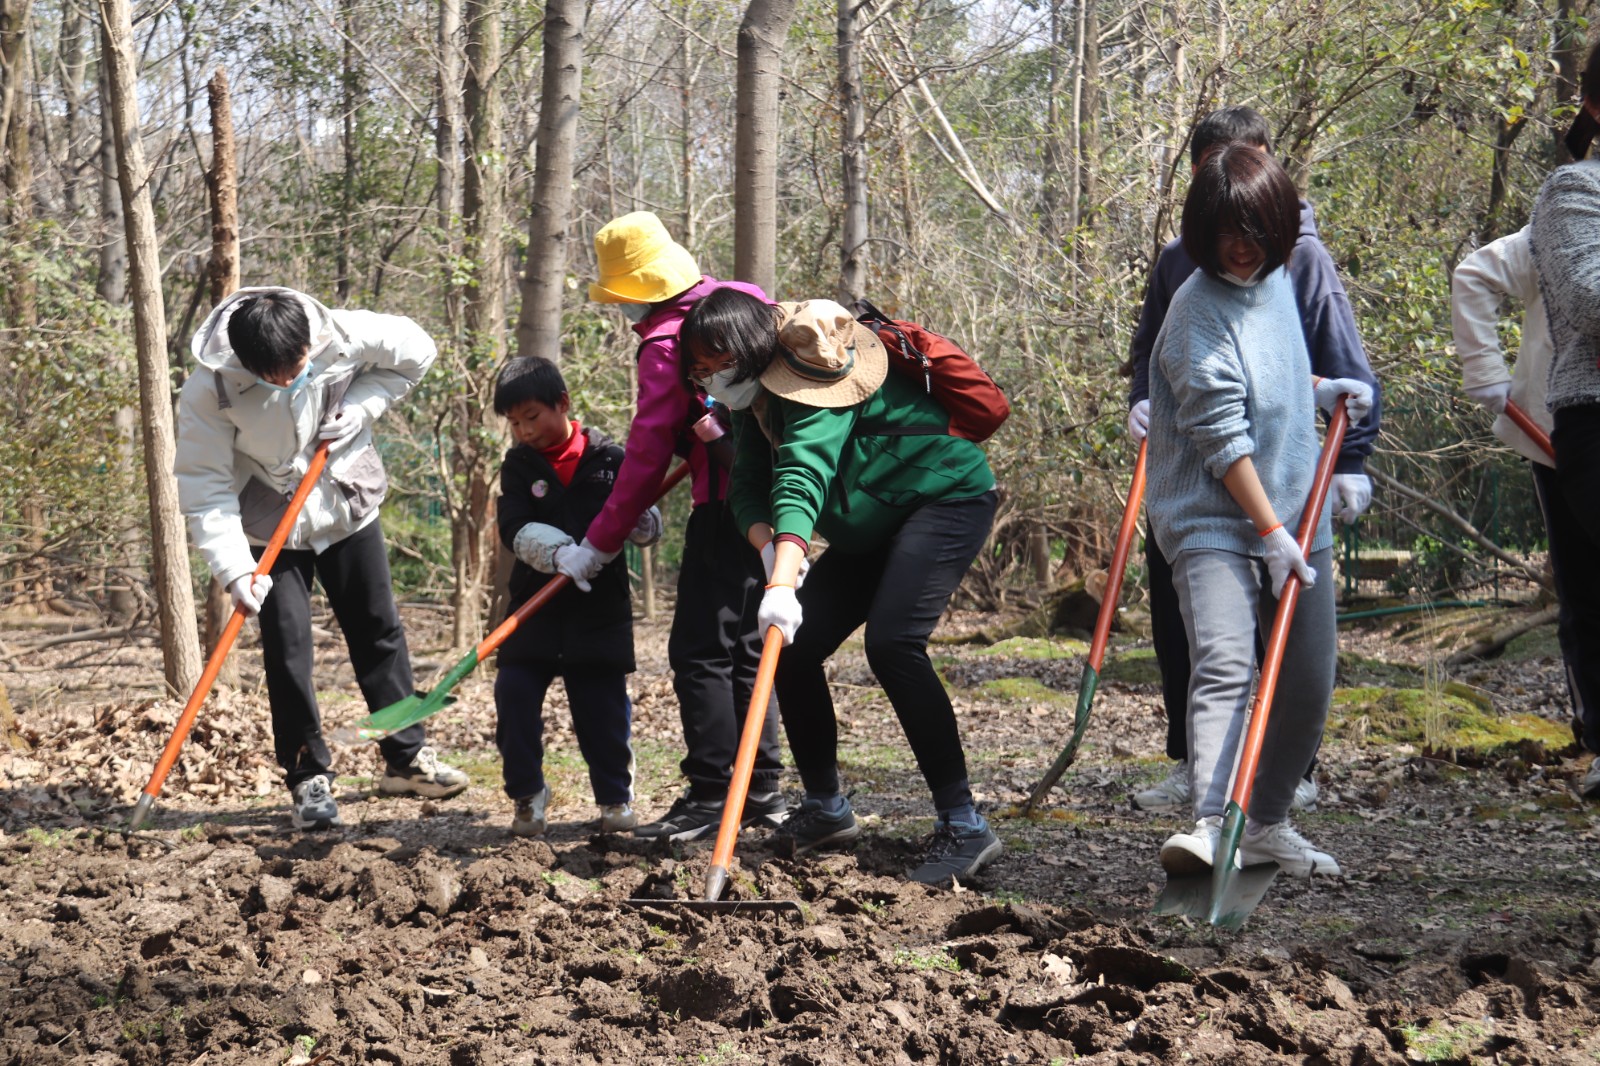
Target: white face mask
{"x":636,"y":313}
{"x":736,"y":397}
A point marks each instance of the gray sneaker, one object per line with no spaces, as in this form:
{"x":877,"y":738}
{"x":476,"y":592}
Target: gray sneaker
{"x":809,"y":827}
{"x":955,"y":852}
{"x":313,"y":806}
{"x":426,"y":776}
{"x":1168,"y":794}
{"x":617,"y":818}
{"x":528,"y":820}
{"x":1589,"y":783}
{"x":1305,"y":795}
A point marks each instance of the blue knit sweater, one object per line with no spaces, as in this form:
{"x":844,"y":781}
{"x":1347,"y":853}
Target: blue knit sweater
{"x":1230,"y":380}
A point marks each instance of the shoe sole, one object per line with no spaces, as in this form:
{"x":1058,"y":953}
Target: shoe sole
{"x":1157,"y":807}
{"x":528,"y":830}
{"x":315,"y":824}
{"x":1183,"y":860}
{"x":404,"y":786}
{"x":984,"y":858}
{"x":1302,"y":871}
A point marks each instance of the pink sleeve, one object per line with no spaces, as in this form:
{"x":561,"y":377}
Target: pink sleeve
{"x":658,"y":419}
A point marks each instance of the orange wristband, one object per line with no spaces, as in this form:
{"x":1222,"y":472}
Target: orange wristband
{"x":1266,"y":532}
{"x":780,"y":586}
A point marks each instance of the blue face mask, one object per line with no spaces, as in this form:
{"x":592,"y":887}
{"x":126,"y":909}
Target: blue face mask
{"x":294,"y":386}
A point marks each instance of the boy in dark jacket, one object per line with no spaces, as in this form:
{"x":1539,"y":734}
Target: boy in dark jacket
{"x":552,"y":484}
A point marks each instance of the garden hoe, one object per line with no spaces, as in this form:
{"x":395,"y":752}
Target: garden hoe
{"x":230,"y":633}
{"x":413,"y":709}
{"x":1534,"y":431}
{"x":733,"y":810}
{"x":1102,"y":635}
{"x":1226,"y":896}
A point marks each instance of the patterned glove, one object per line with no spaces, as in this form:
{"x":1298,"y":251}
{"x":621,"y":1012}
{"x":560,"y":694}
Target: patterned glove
{"x":536,"y":544}
{"x":647,"y":530}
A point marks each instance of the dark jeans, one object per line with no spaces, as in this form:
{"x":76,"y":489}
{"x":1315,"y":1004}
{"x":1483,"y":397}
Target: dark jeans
{"x":1571,"y":501}
{"x":899,"y":591}
{"x":355,"y":577}
{"x":714,"y":649}
{"x":601,"y":719}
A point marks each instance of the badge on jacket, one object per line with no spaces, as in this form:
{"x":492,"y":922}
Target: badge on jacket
{"x":540,"y":487}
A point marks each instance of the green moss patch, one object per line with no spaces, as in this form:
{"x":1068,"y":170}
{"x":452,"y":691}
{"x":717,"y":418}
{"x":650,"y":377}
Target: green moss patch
{"x":1135,"y":667}
{"x":1447,"y":719}
{"x":1030,"y":689}
{"x":1036,"y":648}
{"x":1538,"y":643}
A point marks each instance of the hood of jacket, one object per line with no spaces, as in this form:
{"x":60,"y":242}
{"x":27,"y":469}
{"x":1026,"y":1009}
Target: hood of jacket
{"x":669,"y":314}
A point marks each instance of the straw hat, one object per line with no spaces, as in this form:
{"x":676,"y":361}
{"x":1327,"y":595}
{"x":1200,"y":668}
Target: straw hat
{"x":825,"y":357}
{"x":639,"y":262}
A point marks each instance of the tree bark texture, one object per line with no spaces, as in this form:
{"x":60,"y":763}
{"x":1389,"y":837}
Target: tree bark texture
{"x":180,"y":641}
{"x":222,"y":183}
{"x":447,"y":150}
{"x":853,"y":247}
{"x":550,"y":222}
{"x":762,"y":32}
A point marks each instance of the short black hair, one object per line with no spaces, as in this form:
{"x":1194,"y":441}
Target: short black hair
{"x":1240,"y":190}
{"x":1590,"y":79}
{"x":1225,"y":125}
{"x":269,"y":332}
{"x":528,"y":377}
{"x":728,"y":323}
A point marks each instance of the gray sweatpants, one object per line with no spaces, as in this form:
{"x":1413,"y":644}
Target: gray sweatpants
{"x":1224,"y":597}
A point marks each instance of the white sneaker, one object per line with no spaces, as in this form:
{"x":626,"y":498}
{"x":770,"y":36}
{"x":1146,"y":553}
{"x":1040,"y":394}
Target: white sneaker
{"x":1170,"y":793}
{"x":1305,"y":795}
{"x":1194,"y":852}
{"x":617,"y":818}
{"x":528,"y":820}
{"x":426,"y":776}
{"x":1589,"y":783}
{"x":313,"y":806}
{"x":1280,"y":843}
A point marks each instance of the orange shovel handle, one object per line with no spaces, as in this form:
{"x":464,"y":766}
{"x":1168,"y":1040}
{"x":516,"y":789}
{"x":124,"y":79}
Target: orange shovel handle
{"x":230,"y":632}
{"x":1534,"y":431}
{"x":1119,"y":562}
{"x":744,"y":763}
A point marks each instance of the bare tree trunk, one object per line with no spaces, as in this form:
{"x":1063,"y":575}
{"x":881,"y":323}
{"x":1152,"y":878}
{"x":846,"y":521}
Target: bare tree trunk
{"x":755,"y":141}
{"x":686,"y":234}
{"x":111,"y":283}
{"x":1056,"y":153}
{"x":347,"y":191}
{"x":222,"y":182}
{"x":1568,"y":54}
{"x":853,"y":248}
{"x":447,"y":149}
{"x":483,"y":214}
{"x":1506,"y":134}
{"x":544,"y":281}
{"x":74,"y":67}
{"x":180,"y":642}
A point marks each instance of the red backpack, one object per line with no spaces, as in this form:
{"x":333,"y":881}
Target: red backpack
{"x":965,"y":390}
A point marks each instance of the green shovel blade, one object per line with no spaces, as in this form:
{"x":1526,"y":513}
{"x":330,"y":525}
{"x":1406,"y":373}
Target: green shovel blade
{"x":413,"y":709}
{"x":1086,"y":690}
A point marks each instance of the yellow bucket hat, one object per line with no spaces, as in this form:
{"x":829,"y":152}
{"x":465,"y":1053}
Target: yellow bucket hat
{"x":639,"y":262}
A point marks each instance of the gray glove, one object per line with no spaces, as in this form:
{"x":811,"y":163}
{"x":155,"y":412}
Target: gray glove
{"x":536,"y":545}
{"x":647,"y":530}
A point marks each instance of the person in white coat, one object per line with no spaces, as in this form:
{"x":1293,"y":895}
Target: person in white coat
{"x":1499,"y":269}
{"x":277,"y":374}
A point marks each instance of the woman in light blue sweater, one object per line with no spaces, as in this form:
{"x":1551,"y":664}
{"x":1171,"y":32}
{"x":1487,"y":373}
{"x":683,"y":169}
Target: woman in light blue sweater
{"x":1233,"y":448}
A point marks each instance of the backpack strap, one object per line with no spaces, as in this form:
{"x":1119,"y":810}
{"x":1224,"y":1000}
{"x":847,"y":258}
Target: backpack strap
{"x":870,"y":316}
{"x":223,"y":402}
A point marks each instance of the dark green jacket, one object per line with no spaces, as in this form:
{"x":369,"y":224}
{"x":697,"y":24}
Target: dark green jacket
{"x":830,"y":473}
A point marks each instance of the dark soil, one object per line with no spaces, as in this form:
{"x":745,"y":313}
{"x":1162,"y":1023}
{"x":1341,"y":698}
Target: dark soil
{"x":1466,"y":929}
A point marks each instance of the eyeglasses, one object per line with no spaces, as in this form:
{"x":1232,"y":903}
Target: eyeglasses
{"x":1238,"y":238}
{"x":702,"y":378}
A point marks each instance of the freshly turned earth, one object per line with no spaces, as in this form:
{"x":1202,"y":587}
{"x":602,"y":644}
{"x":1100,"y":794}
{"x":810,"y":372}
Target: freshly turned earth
{"x":1466,"y":929}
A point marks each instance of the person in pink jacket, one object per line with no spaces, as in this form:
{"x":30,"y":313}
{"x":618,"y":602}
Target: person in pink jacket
{"x":714,"y":646}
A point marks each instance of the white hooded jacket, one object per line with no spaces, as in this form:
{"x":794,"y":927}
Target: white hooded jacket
{"x":243,"y":446}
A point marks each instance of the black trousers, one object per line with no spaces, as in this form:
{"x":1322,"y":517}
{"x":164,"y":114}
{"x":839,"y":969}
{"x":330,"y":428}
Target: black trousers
{"x":899,"y":591}
{"x":714,"y":650}
{"x":355,"y":577}
{"x":601,"y":720}
{"x":1570,"y":496}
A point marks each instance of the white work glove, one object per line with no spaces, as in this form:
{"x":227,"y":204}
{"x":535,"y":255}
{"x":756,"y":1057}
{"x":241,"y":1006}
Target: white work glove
{"x":1349,"y":496}
{"x":249,"y":592}
{"x":581,"y":562}
{"x":779,"y":607}
{"x":1139,"y":420}
{"x":537,"y":543}
{"x":1283,"y":556}
{"x":1493,"y":397}
{"x":647,"y":530}
{"x":339,"y":429}
{"x":1358,"y":401}
{"x":769,"y":556}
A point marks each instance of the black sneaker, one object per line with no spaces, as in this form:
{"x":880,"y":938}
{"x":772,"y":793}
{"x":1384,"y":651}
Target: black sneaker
{"x":687,"y":819}
{"x":809,"y":827}
{"x":766,"y":809}
{"x":953,"y":852}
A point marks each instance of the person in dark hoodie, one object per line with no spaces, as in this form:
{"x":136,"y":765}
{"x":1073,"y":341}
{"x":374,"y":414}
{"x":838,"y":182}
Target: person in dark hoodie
{"x":713,"y":648}
{"x":1334,"y":345}
{"x":553,"y":482}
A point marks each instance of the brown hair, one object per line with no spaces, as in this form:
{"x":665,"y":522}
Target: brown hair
{"x":1242,"y":190}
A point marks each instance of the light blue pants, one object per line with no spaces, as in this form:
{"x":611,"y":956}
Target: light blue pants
{"x":1224,"y":597}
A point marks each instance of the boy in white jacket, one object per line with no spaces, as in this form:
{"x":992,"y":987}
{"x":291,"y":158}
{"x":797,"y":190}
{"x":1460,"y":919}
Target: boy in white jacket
{"x":279,"y":373}
{"x":1499,"y":269}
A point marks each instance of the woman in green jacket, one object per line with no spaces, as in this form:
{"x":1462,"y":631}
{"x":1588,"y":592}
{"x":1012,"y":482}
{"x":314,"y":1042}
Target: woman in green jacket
{"x":831,"y":443}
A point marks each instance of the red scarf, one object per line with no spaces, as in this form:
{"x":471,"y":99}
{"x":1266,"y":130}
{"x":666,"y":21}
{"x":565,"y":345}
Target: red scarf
{"x":564,"y":456}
